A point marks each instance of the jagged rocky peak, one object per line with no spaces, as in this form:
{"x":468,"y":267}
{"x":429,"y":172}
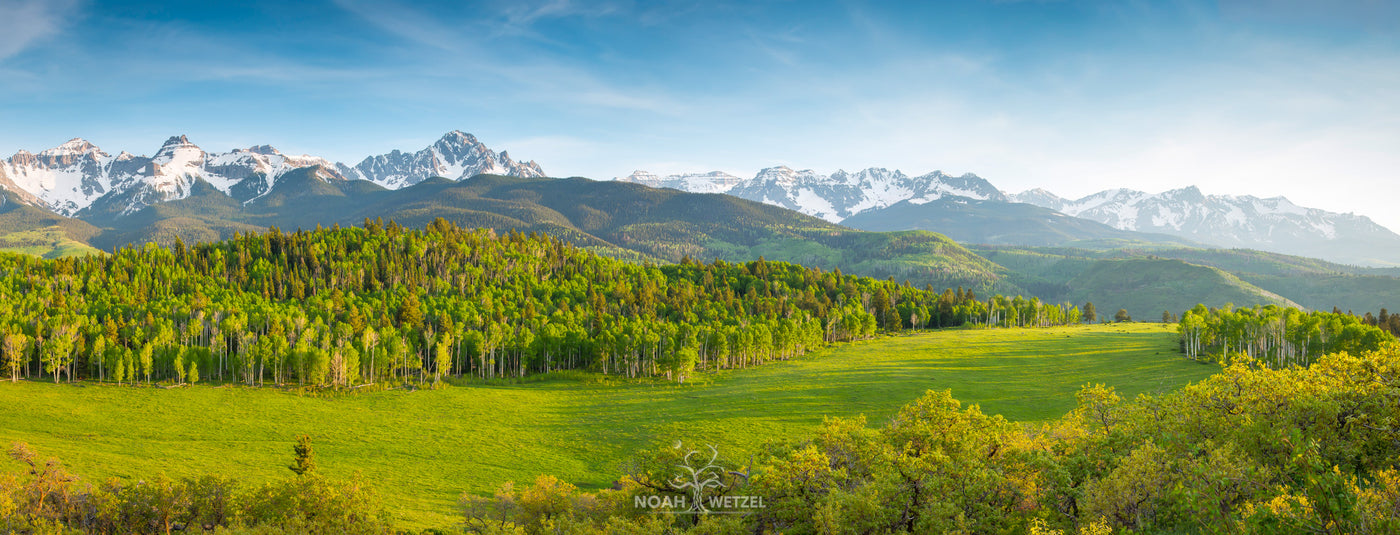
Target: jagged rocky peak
{"x":176,"y":143}
{"x":76,"y":175}
{"x":641,"y":177}
{"x":459,"y":138}
{"x":783,"y":175}
{"x":23,"y":158}
{"x":73,"y":151}
{"x":75,"y":146}
{"x":456,"y":155}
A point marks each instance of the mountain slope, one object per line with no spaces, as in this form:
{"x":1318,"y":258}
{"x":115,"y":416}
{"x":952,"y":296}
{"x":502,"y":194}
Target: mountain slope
{"x":1273,"y":224}
{"x":996,"y":222}
{"x":1184,"y":216}
{"x":35,"y":231}
{"x":1146,"y":287}
{"x":668,"y":225}
{"x":619,"y":219}
{"x":1313,"y":284}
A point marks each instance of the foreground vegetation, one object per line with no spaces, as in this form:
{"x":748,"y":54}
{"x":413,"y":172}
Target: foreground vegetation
{"x":422,"y":449}
{"x":1249,"y":450}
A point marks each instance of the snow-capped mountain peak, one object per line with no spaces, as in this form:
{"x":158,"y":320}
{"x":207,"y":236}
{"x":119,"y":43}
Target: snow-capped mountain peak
{"x":456,"y":155}
{"x":711,"y":182}
{"x":1274,"y":224}
{"x":77,"y":175}
{"x":73,"y":147}
{"x":832,"y":197}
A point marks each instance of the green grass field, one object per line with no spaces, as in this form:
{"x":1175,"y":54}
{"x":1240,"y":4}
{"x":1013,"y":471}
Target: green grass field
{"x":422,"y":449}
{"x":47,"y":242}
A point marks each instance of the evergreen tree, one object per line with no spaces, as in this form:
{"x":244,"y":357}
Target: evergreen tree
{"x":303,"y":461}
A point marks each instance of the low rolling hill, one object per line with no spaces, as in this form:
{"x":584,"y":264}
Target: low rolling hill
{"x":1147,"y":286}
{"x":38,"y":232}
{"x":579,"y":428}
{"x":1313,"y":284}
{"x":1000,"y":223}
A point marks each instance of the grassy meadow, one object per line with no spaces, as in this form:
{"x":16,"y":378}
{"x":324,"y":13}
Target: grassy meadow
{"x":422,"y":449}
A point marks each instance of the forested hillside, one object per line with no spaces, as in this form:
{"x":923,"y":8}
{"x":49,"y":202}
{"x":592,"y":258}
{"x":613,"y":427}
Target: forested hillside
{"x":350,"y":306}
{"x":999,"y":222}
{"x":1066,"y":273}
{"x":29,"y":230}
{"x":639,"y":224}
{"x":621,"y":220}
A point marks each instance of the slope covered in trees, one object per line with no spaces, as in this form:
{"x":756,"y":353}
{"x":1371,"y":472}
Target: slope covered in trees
{"x":622,"y":220}
{"x":1311,"y":283}
{"x":999,"y":222}
{"x":1145,"y":287}
{"x":29,"y":230}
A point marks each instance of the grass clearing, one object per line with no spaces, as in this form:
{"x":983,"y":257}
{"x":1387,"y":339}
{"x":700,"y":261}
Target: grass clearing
{"x":48,"y":242}
{"x":421,"y":449}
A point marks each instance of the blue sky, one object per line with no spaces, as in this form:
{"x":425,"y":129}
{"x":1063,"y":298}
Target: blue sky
{"x":1266,"y":97}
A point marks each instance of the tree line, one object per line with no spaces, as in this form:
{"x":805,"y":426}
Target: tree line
{"x":384,"y":304}
{"x":1275,"y":336}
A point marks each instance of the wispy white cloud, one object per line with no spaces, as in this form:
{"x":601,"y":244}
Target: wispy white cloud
{"x":406,"y":23}
{"x":26,"y":22}
{"x":473,"y":51}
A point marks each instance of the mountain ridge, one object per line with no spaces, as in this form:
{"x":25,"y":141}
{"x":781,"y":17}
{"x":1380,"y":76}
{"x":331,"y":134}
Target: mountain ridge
{"x":879,"y":199}
{"x":79,"y":179}
{"x":1234,"y":221}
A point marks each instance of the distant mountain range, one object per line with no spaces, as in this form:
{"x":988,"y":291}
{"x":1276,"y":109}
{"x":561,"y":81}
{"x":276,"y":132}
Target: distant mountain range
{"x":832,"y":197}
{"x":79,"y":179}
{"x":1273,"y":224}
{"x":75,"y":197}
{"x":968,"y":208}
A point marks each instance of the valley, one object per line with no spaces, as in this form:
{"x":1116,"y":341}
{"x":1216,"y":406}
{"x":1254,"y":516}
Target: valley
{"x":423,"y":448}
